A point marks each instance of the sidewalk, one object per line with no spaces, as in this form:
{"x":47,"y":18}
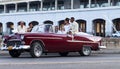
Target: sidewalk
{"x":108,"y":51}
{"x":2,"y":53}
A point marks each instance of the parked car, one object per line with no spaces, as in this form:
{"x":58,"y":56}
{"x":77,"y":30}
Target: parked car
{"x":42,"y":39}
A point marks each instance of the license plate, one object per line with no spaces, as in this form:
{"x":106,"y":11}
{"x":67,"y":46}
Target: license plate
{"x":10,"y":47}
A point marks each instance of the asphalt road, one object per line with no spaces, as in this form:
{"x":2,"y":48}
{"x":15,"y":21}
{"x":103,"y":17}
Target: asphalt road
{"x":54,"y":61}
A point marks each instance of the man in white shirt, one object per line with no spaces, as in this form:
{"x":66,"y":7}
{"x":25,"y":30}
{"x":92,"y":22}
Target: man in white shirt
{"x":22,"y":28}
{"x":73,"y":25}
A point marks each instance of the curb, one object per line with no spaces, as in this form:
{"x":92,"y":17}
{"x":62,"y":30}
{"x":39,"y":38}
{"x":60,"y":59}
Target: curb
{"x":107,"y":51}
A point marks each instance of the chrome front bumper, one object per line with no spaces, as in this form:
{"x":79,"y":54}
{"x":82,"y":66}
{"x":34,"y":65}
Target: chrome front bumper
{"x":102,"y":47}
{"x":21,"y":47}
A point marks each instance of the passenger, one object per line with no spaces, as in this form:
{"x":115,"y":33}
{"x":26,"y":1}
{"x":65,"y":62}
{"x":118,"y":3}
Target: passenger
{"x":61,"y":31}
{"x":22,"y":28}
{"x":73,"y":25}
{"x":9,"y":29}
{"x":67,"y":25}
{"x":29,"y":29}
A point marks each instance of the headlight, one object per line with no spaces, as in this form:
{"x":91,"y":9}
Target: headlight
{"x":3,"y":39}
{"x":22,"y":37}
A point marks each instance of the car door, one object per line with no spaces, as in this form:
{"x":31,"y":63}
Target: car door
{"x":56,"y":42}
{"x":72,"y":44}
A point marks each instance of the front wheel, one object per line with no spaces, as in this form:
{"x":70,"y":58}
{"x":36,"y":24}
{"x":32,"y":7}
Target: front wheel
{"x":86,"y":51}
{"x":14,"y":53}
{"x":36,"y":50}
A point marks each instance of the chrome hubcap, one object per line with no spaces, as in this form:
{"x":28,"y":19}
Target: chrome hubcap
{"x":86,"y":51}
{"x":37,"y":50}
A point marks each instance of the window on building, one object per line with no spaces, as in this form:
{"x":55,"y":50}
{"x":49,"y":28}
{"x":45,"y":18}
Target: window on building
{"x":1,"y":8}
{"x":76,"y":4}
{"x":22,"y":7}
{"x":116,"y":25}
{"x":82,"y":25}
{"x":99,"y":27}
{"x":10,"y":8}
{"x":103,"y":3}
{"x":84,"y":3}
{"x":99,"y":3}
{"x":67,"y":4}
{"x":94,"y":3}
{"x":115,"y":2}
{"x":34,"y":6}
{"x":48,"y":5}
{"x":64,"y":4}
{"x":60,"y":5}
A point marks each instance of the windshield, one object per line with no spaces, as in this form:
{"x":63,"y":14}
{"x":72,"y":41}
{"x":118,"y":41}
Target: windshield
{"x":43,"y":28}
{"x":48,"y":28}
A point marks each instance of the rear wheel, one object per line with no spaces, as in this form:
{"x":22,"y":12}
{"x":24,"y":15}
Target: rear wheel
{"x":64,"y":53}
{"x":36,"y":50}
{"x":86,"y":51}
{"x":14,"y":53}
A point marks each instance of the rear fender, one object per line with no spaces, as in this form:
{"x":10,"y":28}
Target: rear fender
{"x":87,"y":46}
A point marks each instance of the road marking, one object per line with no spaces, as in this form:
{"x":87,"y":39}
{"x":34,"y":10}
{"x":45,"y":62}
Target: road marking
{"x":81,"y":62}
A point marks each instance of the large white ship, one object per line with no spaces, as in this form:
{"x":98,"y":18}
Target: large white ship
{"x":93,"y":16}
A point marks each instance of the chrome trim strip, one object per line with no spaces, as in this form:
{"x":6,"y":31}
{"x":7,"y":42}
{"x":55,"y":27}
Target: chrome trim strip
{"x":81,"y":41}
{"x":46,"y":38}
{"x":14,"y":40}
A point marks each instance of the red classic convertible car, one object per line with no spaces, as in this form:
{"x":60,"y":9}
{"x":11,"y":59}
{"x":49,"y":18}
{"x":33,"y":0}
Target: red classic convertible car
{"x":42,"y":40}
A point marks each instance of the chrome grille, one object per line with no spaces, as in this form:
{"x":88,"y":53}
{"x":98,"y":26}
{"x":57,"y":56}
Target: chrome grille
{"x":13,"y":43}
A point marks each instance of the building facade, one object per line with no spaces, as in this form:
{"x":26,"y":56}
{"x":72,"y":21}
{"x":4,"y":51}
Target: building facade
{"x":96,"y":17}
